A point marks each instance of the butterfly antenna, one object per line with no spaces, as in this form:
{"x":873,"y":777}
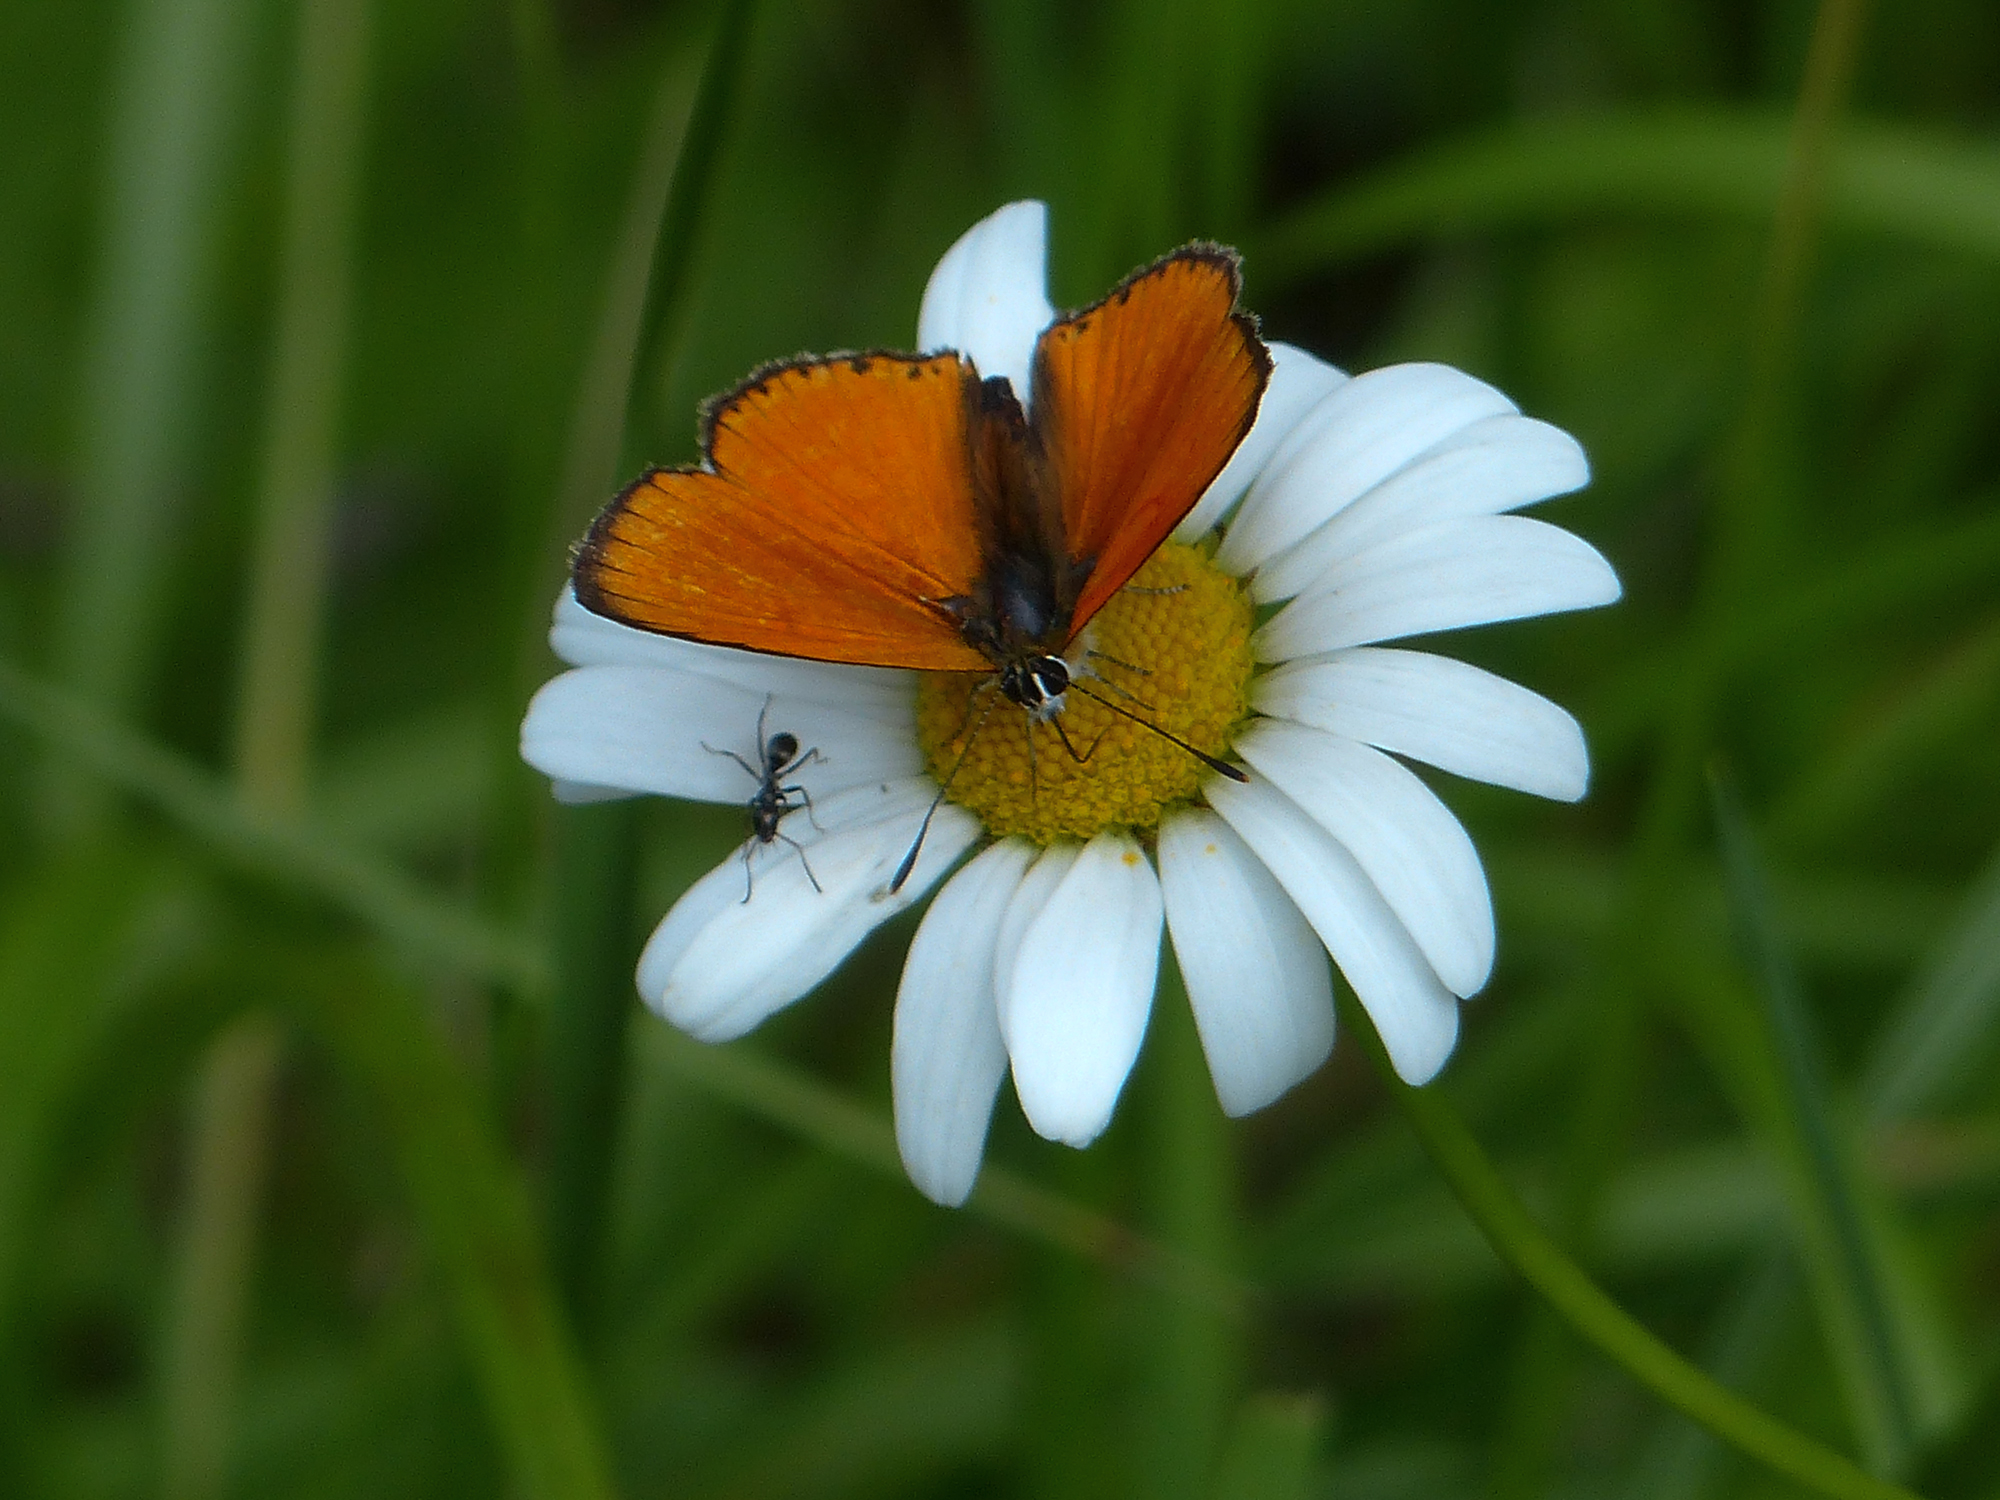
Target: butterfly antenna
{"x":910,"y":860}
{"x":1222,"y":767}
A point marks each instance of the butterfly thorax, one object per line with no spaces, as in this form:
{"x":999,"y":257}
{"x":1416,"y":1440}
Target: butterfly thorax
{"x":1019,"y":612}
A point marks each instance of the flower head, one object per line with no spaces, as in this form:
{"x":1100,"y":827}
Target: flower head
{"x":1358,"y":511}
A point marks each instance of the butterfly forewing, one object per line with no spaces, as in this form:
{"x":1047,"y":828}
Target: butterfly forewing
{"x":1139,"y":402}
{"x":834,"y":514}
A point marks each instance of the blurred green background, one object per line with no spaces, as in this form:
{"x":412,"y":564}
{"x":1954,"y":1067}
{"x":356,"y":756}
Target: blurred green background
{"x":336,"y":1157}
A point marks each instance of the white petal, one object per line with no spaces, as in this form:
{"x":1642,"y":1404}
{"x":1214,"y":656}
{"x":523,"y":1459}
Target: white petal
{"x":1355,"y":438}
{"x":1445,"y":577}
{"x":655,"y":729}
{"x":1028,"y":900}
{"x":947,"y":1059}
{"x":718,"y":964}
{"x":1489,"y":467}
{"x":1415,"y":1014}
{"x":1298,"y":381}
{"x":1256,"y":976}
{"x":1080,"y":989}
{"x":988,"y":297}
{"x":1436,"y":710}
{"x":585,"y":639}
{"x":1414,"y":850}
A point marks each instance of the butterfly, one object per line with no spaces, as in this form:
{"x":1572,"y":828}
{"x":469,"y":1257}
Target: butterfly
{"x":901,"y":510}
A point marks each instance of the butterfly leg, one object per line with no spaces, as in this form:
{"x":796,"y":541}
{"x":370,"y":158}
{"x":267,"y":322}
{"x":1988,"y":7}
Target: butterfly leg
{"x":1083,"y":759}
{"x":910,"y":860}
{"x":1133,"y":588}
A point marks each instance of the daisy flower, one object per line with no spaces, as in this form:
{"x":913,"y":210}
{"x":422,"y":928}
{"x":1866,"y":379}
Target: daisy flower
{"x":1358,"y":511}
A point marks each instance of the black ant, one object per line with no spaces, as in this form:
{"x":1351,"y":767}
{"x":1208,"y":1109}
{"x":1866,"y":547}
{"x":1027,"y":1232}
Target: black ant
{"x":773,"y":799}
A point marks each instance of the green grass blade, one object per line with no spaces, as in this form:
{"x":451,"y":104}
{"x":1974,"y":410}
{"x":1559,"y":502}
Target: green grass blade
{"x":1941,"y":1027}
{"x":291,"y":852}
{"x":277,"y":708}
{"x":177,"y":89}
{"x":591,"y":1003}
{"x":1849,"y":1280}
{"x":474,"y":1213}
{"x":650,"y":266}
{"x":689,"y":196}
{"x":283,"y":628}
{"x":1885,"y":180}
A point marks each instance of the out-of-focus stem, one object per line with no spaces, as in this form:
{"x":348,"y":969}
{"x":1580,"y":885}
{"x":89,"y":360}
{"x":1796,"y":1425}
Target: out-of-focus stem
{"x":276,"y":708}
{"x":228,"y":1142}
{"x":178,"y":88}
{"x":1582,"y":1304}
{"x":277,"y":689}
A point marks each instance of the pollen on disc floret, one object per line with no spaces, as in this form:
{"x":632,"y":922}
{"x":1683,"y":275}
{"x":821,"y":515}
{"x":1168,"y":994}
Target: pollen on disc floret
{"x":1173,"y":647}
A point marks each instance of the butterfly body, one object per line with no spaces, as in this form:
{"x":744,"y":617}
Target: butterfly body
{"x":1019,"y":612}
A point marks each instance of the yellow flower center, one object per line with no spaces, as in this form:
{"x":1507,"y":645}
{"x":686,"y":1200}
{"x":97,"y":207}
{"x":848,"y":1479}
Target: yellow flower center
{"x":1172,"y":646}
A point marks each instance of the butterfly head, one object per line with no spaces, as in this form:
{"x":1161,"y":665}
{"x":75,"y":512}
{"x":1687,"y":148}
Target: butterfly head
{"x":1037,"y":684}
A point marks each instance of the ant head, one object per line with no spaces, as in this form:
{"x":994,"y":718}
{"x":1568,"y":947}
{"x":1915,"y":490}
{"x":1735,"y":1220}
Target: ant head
{"x":782,"y":747}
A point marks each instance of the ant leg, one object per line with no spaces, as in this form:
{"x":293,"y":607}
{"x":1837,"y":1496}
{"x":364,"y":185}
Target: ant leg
{"x":811,"y":816}
{"x":753,"y":771}
{"x":807,"y":759}
{"x":749,"y":848}
{"x":804,"y":861}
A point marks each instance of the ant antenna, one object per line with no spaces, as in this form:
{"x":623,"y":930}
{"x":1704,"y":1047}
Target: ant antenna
{"x":1220,"y":766}
{"x":910,"y":860}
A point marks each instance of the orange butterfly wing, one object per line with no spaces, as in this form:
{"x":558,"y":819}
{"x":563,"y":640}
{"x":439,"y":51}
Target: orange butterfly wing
{"x":835,"y":504}
{"x":1140,"y":400}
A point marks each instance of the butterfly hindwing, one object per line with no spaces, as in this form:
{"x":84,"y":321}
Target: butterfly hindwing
{"x":833,"y":512}
{"x":1139,"y":401}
